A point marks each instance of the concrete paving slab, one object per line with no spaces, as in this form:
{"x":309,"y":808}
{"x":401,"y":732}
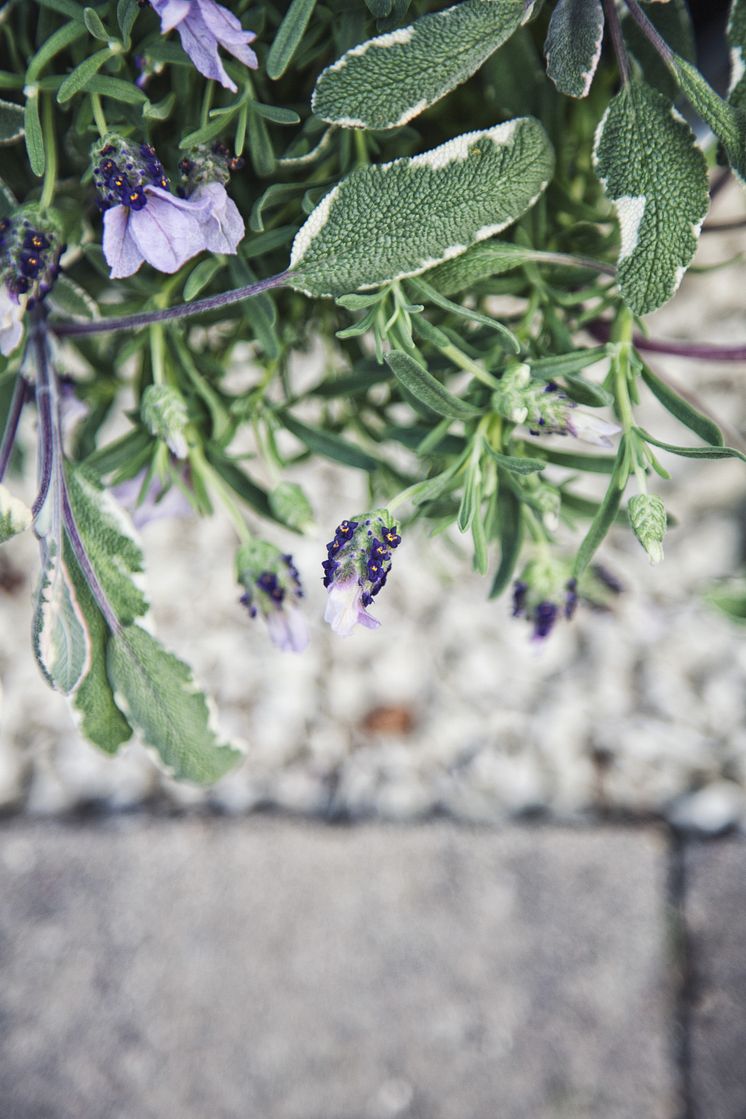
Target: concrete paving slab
{"x":716,"y":918}
{"x":203,"y":969}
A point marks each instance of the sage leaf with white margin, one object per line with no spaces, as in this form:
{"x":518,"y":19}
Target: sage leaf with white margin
{"x":158,"y":695}
{"x":15,"y":516}
{"x":736,"y":32}
{"x":726,"y":120}
{"x":649,"y":166}
{"x":388,"y":80}
{"x":11,"y":122}
{"x":59,"y":633}
{"x":387,"y":221}
{"x":573,"y":45}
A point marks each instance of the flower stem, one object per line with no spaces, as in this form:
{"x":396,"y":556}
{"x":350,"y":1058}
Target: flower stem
{"x":98,"y":115}
{"x":699,"y":351}
{"x":649,"y":31}
{"x":157,"y":363}
{"x":622,"y":371}
{"x":50,"y":166}
{"x":18,"y":399}
{"x":458,"y":357}
{"x":199,"y":463}
{"x":180,"y":311}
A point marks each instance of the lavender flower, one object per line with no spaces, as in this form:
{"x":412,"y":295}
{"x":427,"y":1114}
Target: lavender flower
{"x":273,"y":590}
{"x":144,"y":221}
{"x":203,"y":26}
{"x":356,"y":568}
{"x":547,"y":410}
{"x":543,"y":595}
{"x":206,"y":170}
{"x":30,"y":248}
{"x":149,"y":499}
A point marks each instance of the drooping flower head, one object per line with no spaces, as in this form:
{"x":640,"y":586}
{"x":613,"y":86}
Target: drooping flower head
{"x":547,"y":410}
{"x":203,"y":26}
{"x":544,"y":594}
{"x":144,"y":221}
{"x":356,"y":568}
{"x":205,"y":174}
{"x":30,"y":247}
{"x":272,"y":590}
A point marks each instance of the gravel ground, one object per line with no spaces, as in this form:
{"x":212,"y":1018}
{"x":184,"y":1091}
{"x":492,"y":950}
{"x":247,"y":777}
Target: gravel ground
{"x":449,"y":707}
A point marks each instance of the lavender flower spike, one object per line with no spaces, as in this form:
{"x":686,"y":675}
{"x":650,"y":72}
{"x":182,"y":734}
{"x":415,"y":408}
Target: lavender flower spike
{"x":29,"y":263}
{"x":203,"y":26}
{"x":356,"y":568}
{"x":272,"y":589}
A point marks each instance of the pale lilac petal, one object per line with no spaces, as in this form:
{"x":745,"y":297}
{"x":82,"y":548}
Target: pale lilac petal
{"x":166,"y":231}
{"x":223,"y":224}
{"x":171,"y":12}
{"x":155,"y":503}
{"x":202,"y":47}
{"x":590,"y":428}
{"x":287,"y":629}
{"x":11,"y":322}
{"x":122,"y":253}
{"x":228,"y":31}
{"x":344,"y":609}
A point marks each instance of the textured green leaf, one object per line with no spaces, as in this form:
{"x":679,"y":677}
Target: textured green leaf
{"x":706,"y":428}
{"x":573,"y":45}
{"x":92,"y":20}
{"x":290,"y":505}
{"x":425,"y":291}
{"x":606,"y":513}
{"x":726,"y":120}
{"x":60,"y":636}
{"x":673,"y":22}
{"x":15,"y":517}
{"x":516,"y":464}
{"x":56,"y":42}
{"x":661,"y":202}
{"x":107,"y":534}
{"x":93,"y":706}
{"x":647,"y":516}
{"x":588,"y":464}
{"x":736,"y":32}
{"x":329,"y":445}
{"x":387,"y":81}
{"x":288,"y":37}
{"x":510,"y":529}
{"x":72,"y":300}
{"x":76,"y":81}
{"x":426,"y":388}
{"x":11,"y":122}
{"x":127,"y":12}
{"x":559,"y":365}
{"x":392,"y":220}
{"x":485,"y":259}
{"x":158,"y":695}
{"x":117,"y":89}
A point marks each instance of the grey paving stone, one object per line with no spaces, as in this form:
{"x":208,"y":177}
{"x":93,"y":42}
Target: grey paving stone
{"x":716,"y":917}
{"x":267,"y":970}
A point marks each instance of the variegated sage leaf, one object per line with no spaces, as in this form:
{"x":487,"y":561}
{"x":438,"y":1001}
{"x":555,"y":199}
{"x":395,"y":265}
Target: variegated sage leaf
{"x":386,"y":81}
{"x":727,"y":120}
{"x":736,"y":32}
{"x":391,"y":220}
{"x":649,"y":166}
{"x":59,"y":632}
{"x":15,"y":517}
{"x":159,"y":697}
{"x":573,"y":45}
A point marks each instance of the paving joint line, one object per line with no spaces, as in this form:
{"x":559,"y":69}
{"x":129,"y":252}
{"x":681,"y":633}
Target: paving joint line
{"x":682,"y":974}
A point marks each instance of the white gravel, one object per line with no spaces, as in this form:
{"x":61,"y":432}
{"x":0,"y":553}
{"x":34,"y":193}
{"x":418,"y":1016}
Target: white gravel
{"x":448,"y":707}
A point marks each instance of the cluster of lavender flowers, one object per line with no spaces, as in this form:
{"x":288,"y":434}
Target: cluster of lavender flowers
{"x":356,"y":568}
{"x":30,"y":249}
{"x":273,"y":590}
{"x":145,"y":221}
{"x":547,"y":410}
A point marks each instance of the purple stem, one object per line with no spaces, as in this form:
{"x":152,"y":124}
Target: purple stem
{"x":617,"y":40}
{"x":701,"y":351}
{"x":20,"y":391}
{"x":650,"y":32}
{"x":46,"y":418}
{"x":85,"y":565}
{"x":180,"y":311}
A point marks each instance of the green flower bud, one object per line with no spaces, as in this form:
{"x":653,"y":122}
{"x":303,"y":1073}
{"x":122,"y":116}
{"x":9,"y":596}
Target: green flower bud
{"x":15,"y":517}
{"x":290,"y":505}
{"x":164,"y":413}
{"x":647,"y":515}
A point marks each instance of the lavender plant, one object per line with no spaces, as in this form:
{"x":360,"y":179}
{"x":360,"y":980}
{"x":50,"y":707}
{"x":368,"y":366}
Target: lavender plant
{"x":373,"y":172}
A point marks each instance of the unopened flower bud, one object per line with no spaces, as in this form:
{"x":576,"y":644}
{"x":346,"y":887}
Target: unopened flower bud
{"x":647,"y":515}
{"x":164,"y":413}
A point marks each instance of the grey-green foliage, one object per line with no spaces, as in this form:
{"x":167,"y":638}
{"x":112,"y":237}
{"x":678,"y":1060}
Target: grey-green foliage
{"x":15,"y":517}
{"x":649,"y":166}
{"x":59,"y":633}
{"x":573,"y":45}
{"x":389,"y":80}
{"x":11,"y":122}
{"x":647,"y":516}
{"x":736,"y":32}
{"x":361,"y":234}
{"x":158,"y":695}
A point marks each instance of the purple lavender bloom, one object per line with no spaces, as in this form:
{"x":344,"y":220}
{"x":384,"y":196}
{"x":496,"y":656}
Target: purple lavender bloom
{"x":144,"y":221}
{"x":203,"y":26}
{"x":543,"y":594}
{"x":272,"y":590}
{"x":356,"y":568}
{"x":29,"y":264}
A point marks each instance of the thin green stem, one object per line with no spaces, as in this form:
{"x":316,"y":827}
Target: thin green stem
{"x":458,"y":357}
{"x":223,"y":491}
{"x":157,"y":354}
